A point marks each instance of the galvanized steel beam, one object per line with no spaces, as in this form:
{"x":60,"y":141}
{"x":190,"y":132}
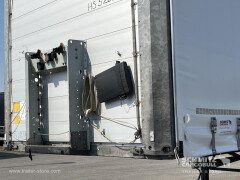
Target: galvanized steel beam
{"x":156,"y":77}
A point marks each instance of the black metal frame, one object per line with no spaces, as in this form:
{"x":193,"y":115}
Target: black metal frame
{"x":204,"y":171}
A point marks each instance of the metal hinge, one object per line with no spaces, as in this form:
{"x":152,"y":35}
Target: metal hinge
{"x":135,"y":54}
{"x":134,"y":4}
{"x":213,"y":130}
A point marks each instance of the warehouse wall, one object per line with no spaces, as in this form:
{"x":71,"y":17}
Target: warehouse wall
{"x":106,"y":26}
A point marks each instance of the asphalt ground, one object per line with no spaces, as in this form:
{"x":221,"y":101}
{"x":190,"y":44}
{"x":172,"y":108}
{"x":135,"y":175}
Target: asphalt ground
{"x":57,"y":167}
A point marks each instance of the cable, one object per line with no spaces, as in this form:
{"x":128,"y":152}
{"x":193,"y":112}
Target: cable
{"x":19,"y":139}
{"x":199,"y":176}
{"x":90,"y":101}
{"x":108,"y":33}
{"x":129,"y":107}
{"x":112,"y":61}
{"x":118,"y":121}
{"x":89,"y":95}
{"x":51,"y":134}
{"x":15,"y":129}
{"x":17,"y":114}
{"x":55,"y":97}
{"x":18,"y":80}
{"x":123,"y":123}
{"x":14,"y":119}
{"x":66,"y":20}
{"x":90,"y":105}
{"x":176,"y":155}
{"x":103,"y":134}
{"x":34,"y":10}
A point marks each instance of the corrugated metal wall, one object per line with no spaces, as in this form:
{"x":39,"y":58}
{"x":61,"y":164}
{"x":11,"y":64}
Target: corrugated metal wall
{"x":106,"y":26}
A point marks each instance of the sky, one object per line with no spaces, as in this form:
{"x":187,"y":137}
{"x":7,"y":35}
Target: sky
{"x":1,"y":45}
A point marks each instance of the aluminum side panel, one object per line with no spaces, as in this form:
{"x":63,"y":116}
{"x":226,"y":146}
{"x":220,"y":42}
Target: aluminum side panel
{"x":207,"y":67}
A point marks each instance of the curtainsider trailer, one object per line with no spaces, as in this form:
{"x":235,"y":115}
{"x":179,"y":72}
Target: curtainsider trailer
{"x":122,"y":77}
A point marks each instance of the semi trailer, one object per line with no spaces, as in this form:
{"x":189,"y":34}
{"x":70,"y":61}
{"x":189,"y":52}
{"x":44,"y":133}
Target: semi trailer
{"x":122,"y":77}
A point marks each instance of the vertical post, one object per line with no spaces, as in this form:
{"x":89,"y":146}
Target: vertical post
{"x":79,"y":129}
{"x":213,"y":130}
{"x":32,"y":103}
{"x":135,"y":56}
{"x":144,"y":28}
{"x":204,"y":173}
{"x":238,"y":133}
{"x":156,"y":76}
{"x":8,"y":72}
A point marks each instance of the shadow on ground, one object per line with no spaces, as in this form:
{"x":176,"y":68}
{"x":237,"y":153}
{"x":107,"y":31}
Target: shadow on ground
{"x":11,"y":154}
{"x":6,"y":155}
